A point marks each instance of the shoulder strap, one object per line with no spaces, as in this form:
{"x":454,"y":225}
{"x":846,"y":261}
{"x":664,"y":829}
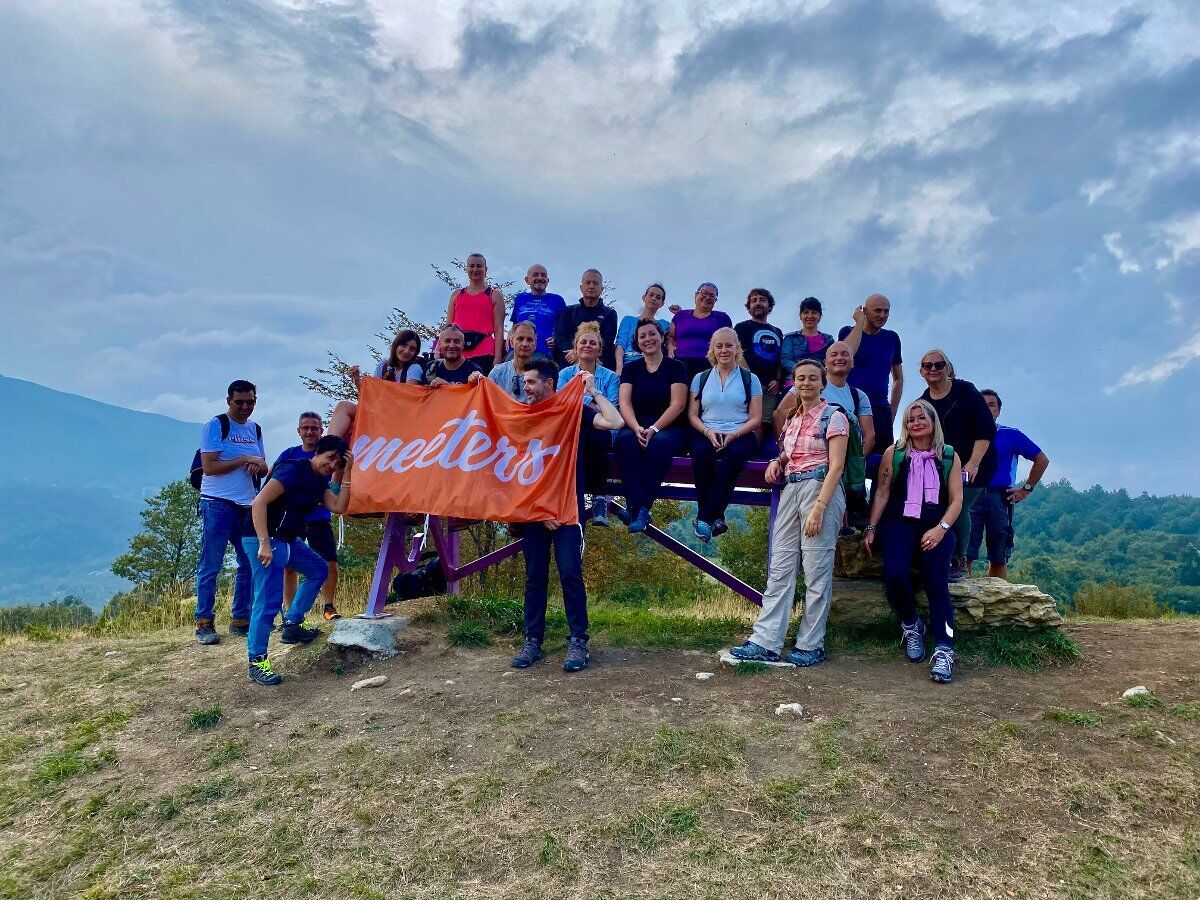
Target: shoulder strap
{"x":223,"y":418}
{"x":899,"y":454}
{"x":947,"y":463}
{"x":857,"y":395}
{"x":700,"y":393}
{"x":745,"y":373}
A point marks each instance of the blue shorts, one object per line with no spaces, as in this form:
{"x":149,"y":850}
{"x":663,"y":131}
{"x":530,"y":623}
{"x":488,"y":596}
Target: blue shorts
{"x":992,"y":512}
{"x":320,"y":538}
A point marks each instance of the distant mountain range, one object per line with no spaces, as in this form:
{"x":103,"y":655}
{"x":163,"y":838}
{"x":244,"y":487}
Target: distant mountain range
{"x":73,"y":475}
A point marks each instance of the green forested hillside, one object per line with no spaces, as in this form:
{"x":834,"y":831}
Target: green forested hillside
{"x":1066,"y":538}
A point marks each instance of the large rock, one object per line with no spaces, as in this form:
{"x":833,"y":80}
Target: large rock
{"x":374,"y":636}
{"x":852,"y":560}
{"x":977,"y":602}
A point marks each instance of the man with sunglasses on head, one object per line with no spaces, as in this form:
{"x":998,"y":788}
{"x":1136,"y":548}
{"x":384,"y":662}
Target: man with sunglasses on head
{"x":318,"y":523}
{"x":233,"y":461}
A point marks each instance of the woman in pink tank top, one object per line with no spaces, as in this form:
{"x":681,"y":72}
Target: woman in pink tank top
{"x":479,"y":311}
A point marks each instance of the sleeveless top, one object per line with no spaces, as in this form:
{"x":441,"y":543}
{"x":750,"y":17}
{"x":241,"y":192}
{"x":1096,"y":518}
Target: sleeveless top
{"x":693,"y":335}
{"x":473,"y":312}
{"x":931,"y":513}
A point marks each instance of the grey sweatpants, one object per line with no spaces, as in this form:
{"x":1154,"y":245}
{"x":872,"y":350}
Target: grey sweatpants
{"x":789,"y":547}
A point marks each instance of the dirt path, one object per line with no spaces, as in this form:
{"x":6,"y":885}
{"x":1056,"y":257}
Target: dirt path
{"x":461,"y":777}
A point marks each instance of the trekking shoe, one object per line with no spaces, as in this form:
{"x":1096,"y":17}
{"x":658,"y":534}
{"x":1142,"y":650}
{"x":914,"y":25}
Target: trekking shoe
{"x":941,"y":667}
{"x":623,"y":514}
{"x":205,"y":633}
{"x":958,"y":569}
{"x":531,"y":652}
{"x":600,"y":511}
{"x":912,"y":638}
{"x":298,"y":633}
{"x":329,"y":613}
{"x":640,"y":521}
{"x":577,"y":655}
{"x":719,"y":527}
{"x":751,"y":652}
{"x":262,"y":673}
{"x":239,"y":627}
{"x":703,"y":531}
{"x":806,"y":658}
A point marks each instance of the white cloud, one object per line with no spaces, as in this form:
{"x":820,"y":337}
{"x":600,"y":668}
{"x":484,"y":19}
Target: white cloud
{"x":1094,"y":190}
{"x":1167,"y":366}
{"x":1182,"y":235}
{"x":1126,"y":264}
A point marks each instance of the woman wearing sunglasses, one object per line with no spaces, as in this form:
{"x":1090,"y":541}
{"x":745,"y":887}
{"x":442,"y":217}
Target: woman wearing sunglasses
{"x":969,"y":427}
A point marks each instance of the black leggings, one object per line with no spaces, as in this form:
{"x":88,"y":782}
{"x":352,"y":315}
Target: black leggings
{"x":901,"y":540}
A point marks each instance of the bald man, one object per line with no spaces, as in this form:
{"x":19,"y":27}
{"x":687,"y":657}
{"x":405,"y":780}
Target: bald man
{"x":876,"y":360}
{"x":538,"y":306}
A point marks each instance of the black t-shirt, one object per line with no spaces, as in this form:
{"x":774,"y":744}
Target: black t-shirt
{"x":303,"y":491}
{"x":438,"y":369}
{"x":965,"y":419}
{"x":762,"y":345}
{"x":652,"y":390}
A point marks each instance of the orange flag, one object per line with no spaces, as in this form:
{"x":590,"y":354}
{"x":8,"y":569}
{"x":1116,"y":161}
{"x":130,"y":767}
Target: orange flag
{"x":469,"y":451}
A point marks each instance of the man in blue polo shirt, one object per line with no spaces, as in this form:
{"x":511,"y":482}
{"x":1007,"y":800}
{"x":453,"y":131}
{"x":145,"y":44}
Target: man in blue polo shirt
{"x":539,"y":307}
{"x":993,"y":510}
{"x":232,"y":458}
{"x":876,"y":360}
{"x":318,"y":524}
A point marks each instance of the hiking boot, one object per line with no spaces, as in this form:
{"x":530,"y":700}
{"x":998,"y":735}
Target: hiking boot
{"x":912,"y":639}
{"x":205,"y":633}
{"x":329,"y":613}
{"x":941,"y":666}
{"x":531,"y":652}
{"x":239,"y":627}
{"x":640,"y":521}
{"x":261,"y":671}
{"x":298,"y":633}
{"x":577,"y":655}
{"x":622,"y":513}
{"x":703,"y":530}
{"x":806,"y":658}
{"x":600,"y":511}
{"x":752,"y":652}
{"x":958,"y":569}
{"x":719,"y":528}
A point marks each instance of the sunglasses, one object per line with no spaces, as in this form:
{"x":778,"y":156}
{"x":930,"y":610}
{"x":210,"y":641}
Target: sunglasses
{"x":936,"y":365}
{"x":243,"y":402}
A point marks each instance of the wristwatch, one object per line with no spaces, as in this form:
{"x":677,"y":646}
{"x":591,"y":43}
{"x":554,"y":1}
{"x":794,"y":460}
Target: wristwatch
{"x":944,"y":525}
{"x":1027,"y":487}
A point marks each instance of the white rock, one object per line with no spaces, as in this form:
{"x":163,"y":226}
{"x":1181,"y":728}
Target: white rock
{"x":789,"y":709}
{"x":374,"y":636}
{"x":704,"y":676}
{"x":377,"y":681}
{"x":407,"y":692}
{"x":1140,"y":691}
{"x":111,"y":653}
{"x":676,"y":699}
{"x":449,"y":681}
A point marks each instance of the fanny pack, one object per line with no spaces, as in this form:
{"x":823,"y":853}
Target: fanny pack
{"x":472,"y":339}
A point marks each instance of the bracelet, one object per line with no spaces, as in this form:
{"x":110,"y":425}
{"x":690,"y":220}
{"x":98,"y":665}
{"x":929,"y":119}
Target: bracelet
{"x":870,"y":528}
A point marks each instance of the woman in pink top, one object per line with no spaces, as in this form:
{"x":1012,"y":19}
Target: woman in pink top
{"x":806,"y":527}
{"x":479,"y":311}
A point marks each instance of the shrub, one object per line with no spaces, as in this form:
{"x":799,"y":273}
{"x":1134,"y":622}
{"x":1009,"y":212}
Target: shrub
{"x":1112,"y":600}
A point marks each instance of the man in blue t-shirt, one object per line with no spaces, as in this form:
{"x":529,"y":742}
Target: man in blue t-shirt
{"x":877,"y":360}
{"x":539,"y":307}
{"x":993,"y":510}
{"x":319,"y":530}
{"x":233,"y":461}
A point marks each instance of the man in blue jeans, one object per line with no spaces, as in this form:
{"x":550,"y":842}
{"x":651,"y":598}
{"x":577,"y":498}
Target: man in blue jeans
{"x":233,"y":459}
{"x":993,"y":510}
{"x":541,"y":377}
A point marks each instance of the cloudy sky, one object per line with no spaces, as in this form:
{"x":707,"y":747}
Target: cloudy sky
{"x":196,"y":190}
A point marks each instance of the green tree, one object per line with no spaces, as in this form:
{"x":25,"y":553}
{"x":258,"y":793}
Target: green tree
{"x":167,"y":549}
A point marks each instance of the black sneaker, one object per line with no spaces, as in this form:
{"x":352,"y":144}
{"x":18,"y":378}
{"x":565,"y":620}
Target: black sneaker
{"x":298,"y":633}
{"x":205,"y":633}
{"x":577,"y":655}
{"x":239,"y":627}
{"x":719,"y":527}
{"x":958,"y":569}
{"x":531,"y":652}
{"x":262,"y":673}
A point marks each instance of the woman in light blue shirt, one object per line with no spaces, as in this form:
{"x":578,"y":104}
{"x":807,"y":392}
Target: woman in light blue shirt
{"x":726,"y":411}
{"x":596,"y":443}
{"x":627,"y":349}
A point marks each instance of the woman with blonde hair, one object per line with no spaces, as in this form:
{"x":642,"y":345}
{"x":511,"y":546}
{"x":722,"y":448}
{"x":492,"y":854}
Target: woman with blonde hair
{"x":918,"y":496}
{"x":588,"y":347}
{"x":726,"y":412}
{"x":970,"y":428}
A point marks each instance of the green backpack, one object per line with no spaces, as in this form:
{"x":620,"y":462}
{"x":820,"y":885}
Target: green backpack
{"x":945,"y":465}
{"x":854,"y":475}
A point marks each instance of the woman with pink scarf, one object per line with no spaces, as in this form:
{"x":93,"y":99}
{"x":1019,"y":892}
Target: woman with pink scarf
{"x":917,"y":499}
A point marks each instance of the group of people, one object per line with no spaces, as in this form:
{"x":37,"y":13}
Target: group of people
{"x":820,"y":409}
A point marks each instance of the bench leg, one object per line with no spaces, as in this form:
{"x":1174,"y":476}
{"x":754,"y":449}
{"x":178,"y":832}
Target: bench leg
{"x":392,"y":555}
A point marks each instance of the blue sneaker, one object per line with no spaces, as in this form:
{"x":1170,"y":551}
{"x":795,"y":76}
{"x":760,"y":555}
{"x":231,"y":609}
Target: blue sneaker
{"x":719,"y":527}
{"x":912,"y":637}
{"x":262,"y":673}
{"x":805,"y":658}
{"x":751,"y":652}
{"x":941,"y":667}
{"x":577,"y":656}
{"x":703,"y":531}
{"x":600,"y":511}
{"x":531,"y":652}
{"x":640,"y":521}
{"x":622,"y":513}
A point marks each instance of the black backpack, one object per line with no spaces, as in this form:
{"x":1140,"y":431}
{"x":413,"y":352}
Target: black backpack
{"x":744,"y":372}
{"x":427,"y":580}
{"x":197,"y":473}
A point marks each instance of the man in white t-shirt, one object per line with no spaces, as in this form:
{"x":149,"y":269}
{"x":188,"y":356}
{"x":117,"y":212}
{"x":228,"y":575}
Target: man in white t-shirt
{"x":233,"y":459}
